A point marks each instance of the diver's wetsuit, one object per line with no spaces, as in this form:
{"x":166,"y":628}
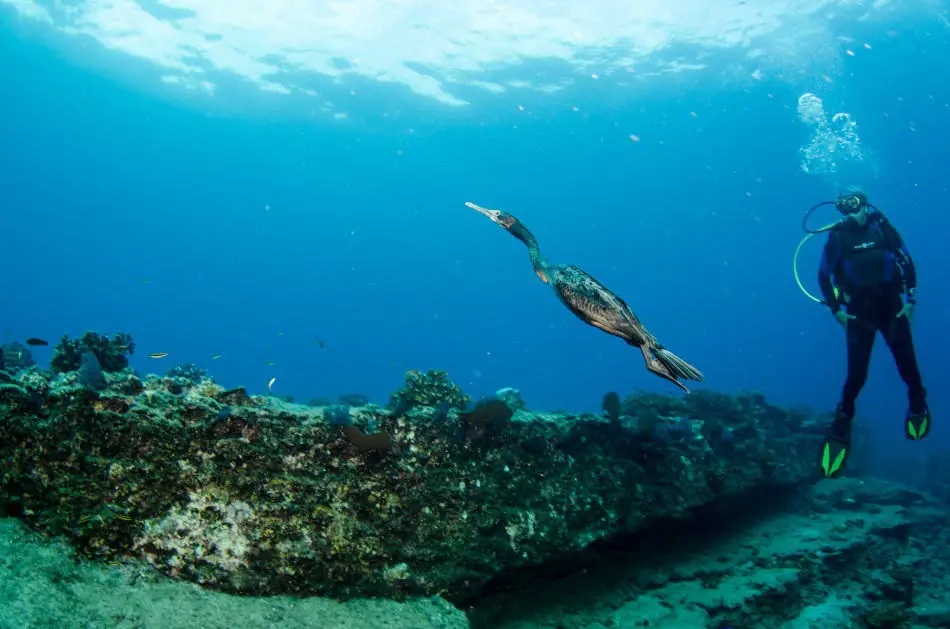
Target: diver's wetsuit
{"x":871,"y":266}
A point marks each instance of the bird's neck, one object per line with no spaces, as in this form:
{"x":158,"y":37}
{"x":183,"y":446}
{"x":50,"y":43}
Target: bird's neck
{"x":540,"y":265}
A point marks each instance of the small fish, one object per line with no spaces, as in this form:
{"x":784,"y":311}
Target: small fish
{"x":319,"y":343}
{"x":280,"y":334}
{"x":269,"y":363}
{"x":270,"y":385}
{"x":35,"y":341}
{"x":215,"y":356}
{"x":158,"y":355}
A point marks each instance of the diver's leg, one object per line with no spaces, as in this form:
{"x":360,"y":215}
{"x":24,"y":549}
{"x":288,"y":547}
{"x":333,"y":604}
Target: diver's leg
{"x":860,"y":338}
{"x":899,"y":338}
{"x":837,"y":445}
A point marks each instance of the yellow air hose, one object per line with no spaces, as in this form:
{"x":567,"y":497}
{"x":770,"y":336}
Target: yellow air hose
{"x":798,"y":250}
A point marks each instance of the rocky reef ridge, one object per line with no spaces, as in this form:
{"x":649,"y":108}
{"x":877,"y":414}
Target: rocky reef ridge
{"x":427,"y":496}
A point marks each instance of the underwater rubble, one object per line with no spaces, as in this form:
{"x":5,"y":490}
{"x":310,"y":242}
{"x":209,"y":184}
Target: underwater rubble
{"x":427,"y":496}
{"x":840,"y":554}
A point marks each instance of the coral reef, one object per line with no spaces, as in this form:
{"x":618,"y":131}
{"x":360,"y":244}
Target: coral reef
{"x":110,"y":353}
{"x":431,"y":388}
{"x":254,"y":495}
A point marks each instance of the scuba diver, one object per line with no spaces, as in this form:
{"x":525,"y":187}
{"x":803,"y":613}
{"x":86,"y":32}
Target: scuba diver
{"x":868,"y":281}
{"x":596,"y":305}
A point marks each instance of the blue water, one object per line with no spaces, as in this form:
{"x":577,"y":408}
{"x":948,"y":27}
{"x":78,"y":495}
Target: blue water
{"x":341,"y":251}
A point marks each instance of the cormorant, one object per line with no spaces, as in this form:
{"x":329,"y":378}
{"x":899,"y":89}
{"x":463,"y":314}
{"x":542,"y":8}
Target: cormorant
{"x":596,"y":305}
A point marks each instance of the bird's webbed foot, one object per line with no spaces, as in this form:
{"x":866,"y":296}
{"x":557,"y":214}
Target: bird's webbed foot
{"x":656,"y":367}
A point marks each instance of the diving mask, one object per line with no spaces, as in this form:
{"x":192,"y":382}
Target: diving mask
{"x":850,"y":203}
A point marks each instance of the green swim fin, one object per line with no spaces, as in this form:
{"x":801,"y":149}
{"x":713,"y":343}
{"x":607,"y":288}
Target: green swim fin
{"x":837,"y":444}
{"x":834,"y":454}
{"x":917,"y":425}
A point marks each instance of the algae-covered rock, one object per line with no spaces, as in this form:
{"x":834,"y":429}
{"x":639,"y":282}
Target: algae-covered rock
{"x":256,"y":495}
{"x":770,"y":562}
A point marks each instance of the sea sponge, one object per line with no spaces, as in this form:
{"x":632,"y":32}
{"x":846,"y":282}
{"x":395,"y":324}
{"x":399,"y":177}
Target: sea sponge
{"x":487,"y":421}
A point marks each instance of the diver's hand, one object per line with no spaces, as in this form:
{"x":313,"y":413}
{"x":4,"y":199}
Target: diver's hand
{"x":907,"y":311}
{"x":843,"y":317}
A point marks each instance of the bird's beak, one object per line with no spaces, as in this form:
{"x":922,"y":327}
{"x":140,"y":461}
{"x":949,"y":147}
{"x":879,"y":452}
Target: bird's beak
{"x":479,"y":208}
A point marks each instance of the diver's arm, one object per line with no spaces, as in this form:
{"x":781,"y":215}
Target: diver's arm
{"x":829,"y":260}
{"x":904,"y":260}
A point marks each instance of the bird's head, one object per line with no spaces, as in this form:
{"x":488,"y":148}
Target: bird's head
{"x":507,"y":221}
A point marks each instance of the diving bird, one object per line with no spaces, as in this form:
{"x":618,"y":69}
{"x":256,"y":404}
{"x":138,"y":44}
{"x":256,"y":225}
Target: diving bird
{"x":596,"y":305}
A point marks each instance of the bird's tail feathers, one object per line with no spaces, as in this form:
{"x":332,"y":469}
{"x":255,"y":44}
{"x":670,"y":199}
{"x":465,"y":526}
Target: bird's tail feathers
{"x":677,"y":366}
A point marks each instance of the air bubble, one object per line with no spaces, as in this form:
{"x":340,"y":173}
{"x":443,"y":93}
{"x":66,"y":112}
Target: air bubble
{"x":835,"y":141}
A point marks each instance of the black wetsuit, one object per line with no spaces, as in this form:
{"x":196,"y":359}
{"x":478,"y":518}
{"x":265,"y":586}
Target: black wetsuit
{"x":872,"y":268}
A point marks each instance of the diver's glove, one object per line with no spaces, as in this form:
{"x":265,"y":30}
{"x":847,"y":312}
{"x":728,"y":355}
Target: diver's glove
{"x":908,"y":309}
{"x":843,"y":317}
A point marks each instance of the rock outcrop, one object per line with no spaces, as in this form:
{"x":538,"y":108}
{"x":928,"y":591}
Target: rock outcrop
{"x":257,"y":496}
